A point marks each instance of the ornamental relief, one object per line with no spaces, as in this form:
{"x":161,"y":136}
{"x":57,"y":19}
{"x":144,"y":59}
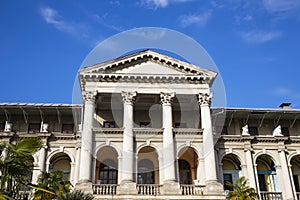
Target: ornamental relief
{"x":205,"y":98}
{"x":166,"y":98}
{"x":128,"y":97}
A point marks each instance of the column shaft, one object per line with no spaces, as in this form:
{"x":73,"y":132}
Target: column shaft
{"x":250,"y":168}
{"x":77,"y":165}
{"x":85,"y":173}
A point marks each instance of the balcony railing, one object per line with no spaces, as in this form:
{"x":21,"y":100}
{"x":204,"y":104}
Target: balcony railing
{"x":148,"y":189}
{"x":191,"y":190}
{"x":24,"y":195}
{"x":105,"y":189}
{"x":270,"y":196}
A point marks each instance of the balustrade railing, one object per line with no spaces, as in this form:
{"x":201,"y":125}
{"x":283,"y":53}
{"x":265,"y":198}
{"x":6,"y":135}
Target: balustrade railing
{"x":191,"y":190}
{"x":270,"y":196}
{"x":24,"y":195}
{"x":105,"y":189}
{"x":148,"y":189}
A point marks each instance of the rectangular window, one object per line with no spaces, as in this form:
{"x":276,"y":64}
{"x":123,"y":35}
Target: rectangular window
{"x":144,"y":124}
{"x":221,"y":130}
{"x":227,"y":178}
{"x":2,"y":127}
{"x":34,"y":128}
{"x":285,"y":131}
{"x":180,"y":125}
{"x":109,"y":124}
{"x":253,"y":130}
{"x":67,"y":128}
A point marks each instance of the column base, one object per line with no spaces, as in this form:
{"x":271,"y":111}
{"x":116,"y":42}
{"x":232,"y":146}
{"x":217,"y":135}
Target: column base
{"x":213,"y":188}
{"x":86,"y":187}
{"x":127,"y":187}
{"x":171,"y":188}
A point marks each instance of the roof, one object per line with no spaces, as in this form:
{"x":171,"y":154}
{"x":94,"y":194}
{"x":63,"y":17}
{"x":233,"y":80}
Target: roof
{"x":38,"y":105}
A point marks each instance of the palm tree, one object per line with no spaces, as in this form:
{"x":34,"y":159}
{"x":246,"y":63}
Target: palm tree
{"x":51,"y":185}
{"x":241,"y":190}
{"x":76,"y":195}
{"x":15,"y":166}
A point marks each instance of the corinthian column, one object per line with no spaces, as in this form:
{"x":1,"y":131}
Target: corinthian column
{"x":85,"y":173}
{"x":171,"y":186}
{"x":212,"y":186}
{"x":128,"y":185}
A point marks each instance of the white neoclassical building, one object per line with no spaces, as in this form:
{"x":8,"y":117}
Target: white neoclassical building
{"x":146,"y":131}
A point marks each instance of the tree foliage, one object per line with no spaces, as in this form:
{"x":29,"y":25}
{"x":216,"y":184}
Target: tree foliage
{"x":51,"y":185}
{"x":241,"y":190}
{"x":16,"y":166}
{"x":76,"y":195}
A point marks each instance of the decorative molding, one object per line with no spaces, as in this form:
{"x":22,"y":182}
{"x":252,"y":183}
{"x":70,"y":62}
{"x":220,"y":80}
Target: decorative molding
{"x":128,"y":97}
{"x":89,"y":97}
{"x":166,"y":99}
{"x":204,"y":99}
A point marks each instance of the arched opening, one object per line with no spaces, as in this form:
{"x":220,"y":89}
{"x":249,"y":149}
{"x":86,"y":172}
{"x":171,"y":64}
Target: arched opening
{"x":231,"y":170}
{"x":187,"y":165}
{"x":61,"y":162}
{"x":267,"y":176}
{"x":148,"y":166}
{"x":107,"y":166}
{"x":295,"y":163}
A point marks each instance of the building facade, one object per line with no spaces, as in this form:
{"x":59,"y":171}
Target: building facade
{"x":146,"y":130}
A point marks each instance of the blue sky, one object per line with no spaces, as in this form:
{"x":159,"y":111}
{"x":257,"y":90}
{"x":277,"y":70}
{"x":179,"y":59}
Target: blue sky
{"x":255,"y":44}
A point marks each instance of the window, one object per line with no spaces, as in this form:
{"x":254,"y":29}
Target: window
{"x":144,"y":124}
{"x":221,"y":130}
{"x":67,"y":128}
{"x":296,"y":182}
{"x":227,"y":178}
{"x":145,"y":172}
{"x":285,"y":131}
{"x":108,"y":172}
{"x":253,"y":130}
{"x":184,"y":172}
{"x":34,"y":128}
{"x":109,"y":124}
{"x":180,"y":125}
{"x":2,"y":127}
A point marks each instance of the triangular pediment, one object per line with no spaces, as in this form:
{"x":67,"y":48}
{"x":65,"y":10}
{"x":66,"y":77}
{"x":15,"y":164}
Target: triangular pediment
{"x":146,"y":64}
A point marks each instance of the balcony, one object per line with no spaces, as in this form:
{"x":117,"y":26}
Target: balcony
{"x":191,"y":190}
{"x":105,"y":189}
{"x":148,"y":189}
{"x":270,"y":196}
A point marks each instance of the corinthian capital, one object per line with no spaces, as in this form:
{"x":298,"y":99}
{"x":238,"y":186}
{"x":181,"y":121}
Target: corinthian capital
{"x":205,"y":99}
{"x":89,"y":97}
{"x":166,"y":98}
{"x":128,"y":97}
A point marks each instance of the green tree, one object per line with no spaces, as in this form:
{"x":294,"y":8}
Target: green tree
{"x":241,"y":190}
{"x":76,"y":195}
{"x":15,"y":166}
{"x":51,"y":185}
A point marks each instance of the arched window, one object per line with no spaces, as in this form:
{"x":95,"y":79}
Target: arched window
{"x":61,"y":162}
{"x":267,"y":176}
{"x":184,"y":172}
{"x":145,"y":172}
{"x":108,"y":172}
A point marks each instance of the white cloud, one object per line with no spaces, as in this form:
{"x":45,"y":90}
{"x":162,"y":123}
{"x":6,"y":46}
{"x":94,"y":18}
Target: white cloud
{"x":200,"y":19}
{"x":281,"y":5}
{"x":51,"y":16}
{"x":154,"y":4}
{"x":260,"y":36}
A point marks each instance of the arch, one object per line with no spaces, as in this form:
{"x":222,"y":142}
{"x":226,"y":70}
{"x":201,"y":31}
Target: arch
{"x":295,"y":168}
{"x":187,"y":155}
{"x":61,"y":162}
{"x":148,"y":165}
{"x":59,"y":151}
{"x":119,"y":152}
{"x":290,"y":157}
{"x":270,"y":154}
{"x":182,"y":146}
{"x":266,"y":173}
{"x":106,"y":171}
{"x":157,"y":149}
{"x":231,"y":167}
{"x":235,"y":153}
